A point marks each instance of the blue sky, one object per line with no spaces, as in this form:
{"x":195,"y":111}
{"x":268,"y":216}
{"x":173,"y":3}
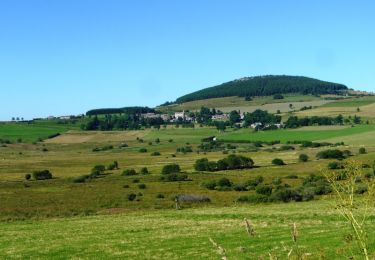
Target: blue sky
{"x":65,"y":57}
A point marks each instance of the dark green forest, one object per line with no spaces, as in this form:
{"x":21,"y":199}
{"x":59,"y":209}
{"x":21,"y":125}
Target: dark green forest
{"x":266,"y":86}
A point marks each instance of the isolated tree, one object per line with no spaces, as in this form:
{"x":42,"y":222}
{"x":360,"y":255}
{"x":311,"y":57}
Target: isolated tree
{"x":234,"y":117}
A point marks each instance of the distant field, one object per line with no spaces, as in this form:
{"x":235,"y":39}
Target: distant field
{"x":183,"y":234}
{"x":32,"y":132}
{"x":239,"y":102}
{"x":295,"y":135}
{"x":352,"y":102}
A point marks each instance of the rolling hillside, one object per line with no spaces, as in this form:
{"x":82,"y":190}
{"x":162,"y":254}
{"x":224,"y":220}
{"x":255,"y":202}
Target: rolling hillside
{"x":265,"y":86}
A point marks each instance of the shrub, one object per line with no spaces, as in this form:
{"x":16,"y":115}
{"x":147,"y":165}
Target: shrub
{"x":42,"y":175}
{"x":264,"y":190}
{"x":278,"y":161}
{"x":126,"y":186}
{"x":231,"y":162}
{"x":143,"y":150}
{"x":254,"y":198}
{"x":129,"y":172}
{"x":254,"y":182}
{"x":192,"y":198}
{"x":142,"y":186}
{"x":144,"y":171}
{"x":278,"y":96}
{"x":224,"y":182}
{"x":171,"y":168}
{"x":80,"y":179}
{"x":209,"y":185}
{"x":284,"y":195}
{"x":335,"y":165}
{"x":303,"y":157}
{"x":136,"y":181}
{"x":292,"y":176}
{"x":276,"y":181}
{"x":286,"y":148}
{"x":175,"y":177}
{"x":132,"y":196}
{"x":239,"y":187}
{"x":27,"y":176}
{"x":156,"y":154}
{"x":331,"y":154}
{"x":123,"y":145}
{"x":362,"y":150}
{"x":113,"y":166}
{"x":98,"y":169}
{"x":201,"y":164}
{"x":160,"y":196}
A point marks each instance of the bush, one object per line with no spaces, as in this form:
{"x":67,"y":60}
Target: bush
{"x":155,"y":154}
{"x":123,"y":145}
{"x":42,"y":175}
{"x":303,"y":157}
{"x":80,"y":179}
{"x":129,"y":172}
{"x":27,"y":176}
{"x":286,"y":148}
{"x":175,"y":177}
{"x":264,"y":190}
{"x":239,"y":187}
{"x":284,"y":195}
{"x":278,"y":161}
{"x":99,"y":169}
{"x":160,"y":196}
{"x":224,"y":182}
{"x":143,"y":150}
{"x":171,"y":168}
{"x":292,"y":176}
{"x":113,"y":166}
{"x":278,"y":96}
{"x":132,"y":196}
{"x":144,"y":171}
{"x":335,"y":166}
{"x":142,"y":186}
{"x":231,"y":162}
{"x":209,"y":185}
{"x":126,"y":186}
{"x":136,"y":181}
{"x":192,"y":198}
{"x":254,"y":198}
{"x":331,"y":154}
{"x":362,"y":150}
{"x":255,"y":182}
{"x":276,"y":181}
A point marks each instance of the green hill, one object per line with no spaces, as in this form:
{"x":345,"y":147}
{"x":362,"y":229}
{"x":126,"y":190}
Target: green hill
{"x":266,"y":86}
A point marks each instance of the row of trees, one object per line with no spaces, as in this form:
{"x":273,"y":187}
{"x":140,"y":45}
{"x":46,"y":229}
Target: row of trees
{"x":294,"y":121}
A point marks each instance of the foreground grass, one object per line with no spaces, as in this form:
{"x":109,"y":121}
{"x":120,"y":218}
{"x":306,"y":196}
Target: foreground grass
{"x":184,"y":234}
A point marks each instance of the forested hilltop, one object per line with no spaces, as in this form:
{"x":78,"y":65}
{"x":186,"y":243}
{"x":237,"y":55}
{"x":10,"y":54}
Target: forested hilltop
{"x":265,"y":86}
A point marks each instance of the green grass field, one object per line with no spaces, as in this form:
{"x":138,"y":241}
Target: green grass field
{"x":296,"y":135}
{"x":32,"y":132}
{"x":182,"y":234}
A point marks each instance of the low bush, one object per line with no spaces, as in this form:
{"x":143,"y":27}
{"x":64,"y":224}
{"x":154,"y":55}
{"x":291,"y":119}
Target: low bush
{"x":27,"y":176}
{"x":303,"y":157}
{"x":278,"y":161}
{"x":99,"y":169}
{"x":113,"y":166}
{"x":335,"y":166}
{"x":362,"y":150}
{"x":331,"y":154}
{"x":129,"y":172}
{"x":174,"y":177}
{"x":142,"y":150}
{"x":80,"y":179}
{"x":142,"y":186}
{"x":131,"y":196}
{"x":171,"y":168}
{"x":231,"y":162}
{"x":264,"y":190}
{"x":42,"y":175}
{"x":160,"y":196}
{"x":144,"y":171}
{"x":155,"y":154}
{"x":254,"y":198}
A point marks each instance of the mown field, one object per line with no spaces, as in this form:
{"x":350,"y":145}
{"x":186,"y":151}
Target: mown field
{"x":32,"y":132}
{"x":183,"y":234}
{"x":61,"y":219}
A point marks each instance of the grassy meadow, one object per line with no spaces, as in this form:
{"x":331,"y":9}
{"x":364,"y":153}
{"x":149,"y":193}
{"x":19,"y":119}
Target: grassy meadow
{"x":60,"y":219}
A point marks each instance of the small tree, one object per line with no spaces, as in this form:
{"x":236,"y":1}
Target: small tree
{"x":171,"y":168}
{"x":278,"y":161}
{"x":362,"y":150}
{"x":303,"y":157}
{"x":27,"y":176}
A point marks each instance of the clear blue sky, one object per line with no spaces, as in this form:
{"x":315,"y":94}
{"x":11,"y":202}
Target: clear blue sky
{"x":65,"y":57}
